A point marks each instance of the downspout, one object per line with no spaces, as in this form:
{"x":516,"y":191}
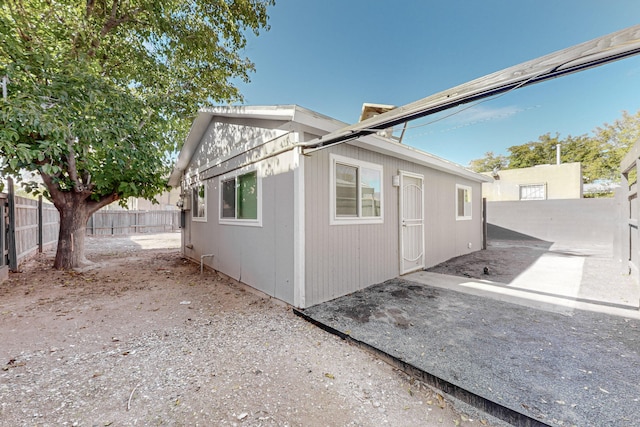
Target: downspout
{"x":299,"y":245}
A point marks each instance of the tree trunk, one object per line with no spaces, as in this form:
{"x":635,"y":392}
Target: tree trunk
{"x":73,"y":227}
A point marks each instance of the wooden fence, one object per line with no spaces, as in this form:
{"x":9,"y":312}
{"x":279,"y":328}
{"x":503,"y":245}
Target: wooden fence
{"x":125,"y":222}
{"x":4,"y":251}
{"x":36,"y":226}
{"x":32,"y":226}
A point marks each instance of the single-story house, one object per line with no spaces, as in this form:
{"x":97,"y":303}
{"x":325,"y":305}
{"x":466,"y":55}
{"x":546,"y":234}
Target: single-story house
{"x":306,"y":225}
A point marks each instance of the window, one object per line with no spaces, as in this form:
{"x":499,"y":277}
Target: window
{"x":463,"y":202}
{"x":533,"y":192}
{"x":240,"y":198}
{"x":356,"y":191}
{"x":199,"y":202}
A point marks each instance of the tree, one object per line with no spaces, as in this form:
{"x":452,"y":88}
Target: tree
{"x":489,"y":162}
{"x":101,"y":94}
{"x":615,"y":140}
{"x":541,"y":152}
{"x":600,"y":154}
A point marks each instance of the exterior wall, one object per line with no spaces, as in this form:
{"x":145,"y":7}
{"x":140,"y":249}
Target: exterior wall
{"x":562,"y":181}
{"x":593,"y":221}
{"x":215,"y":141}
{"x":259,"y":256}
{"x":340,"y":259}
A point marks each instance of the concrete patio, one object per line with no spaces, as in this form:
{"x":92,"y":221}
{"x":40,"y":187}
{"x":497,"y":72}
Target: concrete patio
{"x":556,"y":343}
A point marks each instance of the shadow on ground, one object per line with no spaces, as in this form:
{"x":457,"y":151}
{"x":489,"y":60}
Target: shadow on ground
{"x":508,"y":255}
{"x":575,"y":271}
{"x":550,"y":336}
{"x":523,"y":365}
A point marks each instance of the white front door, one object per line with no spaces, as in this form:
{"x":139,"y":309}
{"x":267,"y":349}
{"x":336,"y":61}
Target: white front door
{"x":411,"y":222}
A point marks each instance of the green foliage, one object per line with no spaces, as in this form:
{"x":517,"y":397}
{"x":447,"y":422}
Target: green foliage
{"x":600,"y":154}
{"x":101,"y":93}
{"x":489,"y":162}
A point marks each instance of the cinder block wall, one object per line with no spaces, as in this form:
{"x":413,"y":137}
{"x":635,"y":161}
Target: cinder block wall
{"x":592,"y":221}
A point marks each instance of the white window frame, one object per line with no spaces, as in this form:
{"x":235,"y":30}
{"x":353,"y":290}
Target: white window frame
{"x":358,"y":219}
{"x":544,"y":191}
{"x":467,"y":215}
{"x":194,"y":204}
{"x":235,"y":221}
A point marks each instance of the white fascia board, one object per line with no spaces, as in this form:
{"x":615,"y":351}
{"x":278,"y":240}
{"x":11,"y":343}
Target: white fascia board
{"x":271,"y":112}
{"x":316,"y":120}
{"x":401,"y":151}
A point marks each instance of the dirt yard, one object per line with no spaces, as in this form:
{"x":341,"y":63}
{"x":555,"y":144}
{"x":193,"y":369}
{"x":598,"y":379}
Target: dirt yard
{"x":141,"y":338}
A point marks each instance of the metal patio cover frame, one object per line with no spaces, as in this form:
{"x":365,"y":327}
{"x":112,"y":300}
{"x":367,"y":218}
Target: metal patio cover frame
{"x":590,"y":54}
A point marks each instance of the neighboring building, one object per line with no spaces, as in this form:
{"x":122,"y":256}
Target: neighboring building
{"x":309,"y":225}
{"x":544,"y":182}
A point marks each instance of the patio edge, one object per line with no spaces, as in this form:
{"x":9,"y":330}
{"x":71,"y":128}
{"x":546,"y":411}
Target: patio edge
{"x":490,"y":407}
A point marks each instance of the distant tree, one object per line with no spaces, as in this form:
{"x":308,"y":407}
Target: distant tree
{"x":615,"y":140}
{"x":102,"y":92}
{"x":489,"y":162}
{"x":540,"y":152}
{"x":599,"y":154}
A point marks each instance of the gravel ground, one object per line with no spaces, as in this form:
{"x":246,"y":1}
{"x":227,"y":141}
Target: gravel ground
{"x":141,"y":338}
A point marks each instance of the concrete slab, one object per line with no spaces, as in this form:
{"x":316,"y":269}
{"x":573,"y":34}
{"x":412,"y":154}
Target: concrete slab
{"x":542,"y":362}
{"x":573,"y":271}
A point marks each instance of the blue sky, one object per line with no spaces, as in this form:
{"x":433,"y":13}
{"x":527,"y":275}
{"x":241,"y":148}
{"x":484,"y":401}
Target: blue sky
{"x":331,"y":56}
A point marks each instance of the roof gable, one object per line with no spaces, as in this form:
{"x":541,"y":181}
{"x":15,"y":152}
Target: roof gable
{"x":278,"y":120}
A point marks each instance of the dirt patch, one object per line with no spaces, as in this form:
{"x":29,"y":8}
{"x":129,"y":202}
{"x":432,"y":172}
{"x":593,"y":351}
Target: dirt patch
{"x":142,"y":338}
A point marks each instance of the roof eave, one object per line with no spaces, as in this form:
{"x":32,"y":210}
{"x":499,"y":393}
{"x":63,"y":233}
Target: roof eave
{"x":395,"y":149}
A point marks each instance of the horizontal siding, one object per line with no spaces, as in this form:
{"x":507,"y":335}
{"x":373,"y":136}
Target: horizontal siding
{"x":341,"y":259}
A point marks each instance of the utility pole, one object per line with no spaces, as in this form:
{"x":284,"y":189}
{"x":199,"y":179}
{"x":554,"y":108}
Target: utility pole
{"x":4,"y":87}
{"x":558,"y":153}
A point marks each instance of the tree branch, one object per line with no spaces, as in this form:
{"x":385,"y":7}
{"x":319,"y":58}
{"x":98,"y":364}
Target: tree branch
{"x":54,"y":189}
{"x":72,"y":169}
{"x":86,"y":180}
{"x":17,"y":11}
{"x":89,"y":9}
{"x":113,"y":21}
{"x":103,"y":201}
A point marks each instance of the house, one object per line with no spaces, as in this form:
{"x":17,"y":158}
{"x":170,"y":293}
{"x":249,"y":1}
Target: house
{"x":306,"y":225}
{"x":543,"y":182}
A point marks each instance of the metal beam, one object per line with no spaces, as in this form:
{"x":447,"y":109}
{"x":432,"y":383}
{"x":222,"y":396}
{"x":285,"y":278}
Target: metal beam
{"x":602,"y":50}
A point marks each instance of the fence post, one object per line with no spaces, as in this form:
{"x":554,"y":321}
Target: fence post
{"x":40,"y":225}
{"x":90,"y":221}
{"x":484,"y":223}
{"x":11,"y":233}
{"x":3,"y":235}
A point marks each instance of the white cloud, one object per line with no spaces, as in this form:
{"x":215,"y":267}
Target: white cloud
{"x":482,"y":113}
{"x":462,"y":117}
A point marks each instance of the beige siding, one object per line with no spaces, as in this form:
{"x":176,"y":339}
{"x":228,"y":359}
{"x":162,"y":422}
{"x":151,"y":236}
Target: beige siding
{"x":341,"y":259}
{"x":562,"y":181}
